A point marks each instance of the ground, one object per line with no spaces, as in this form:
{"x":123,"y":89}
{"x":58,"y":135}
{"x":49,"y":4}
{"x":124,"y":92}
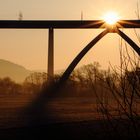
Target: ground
{"x":65,"y":118}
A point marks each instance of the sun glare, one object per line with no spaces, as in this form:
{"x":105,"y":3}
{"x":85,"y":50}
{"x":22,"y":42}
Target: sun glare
{"x":111,"y":18}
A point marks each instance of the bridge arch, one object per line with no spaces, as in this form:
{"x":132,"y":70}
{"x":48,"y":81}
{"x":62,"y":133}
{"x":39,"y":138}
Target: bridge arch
{"x":77,"y":59}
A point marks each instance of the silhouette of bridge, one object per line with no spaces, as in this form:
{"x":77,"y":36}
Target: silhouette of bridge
{"x":73,"y":24}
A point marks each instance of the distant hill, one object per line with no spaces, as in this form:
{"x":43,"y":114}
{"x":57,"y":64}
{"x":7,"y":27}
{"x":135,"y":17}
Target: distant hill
{"x":15,"y":72}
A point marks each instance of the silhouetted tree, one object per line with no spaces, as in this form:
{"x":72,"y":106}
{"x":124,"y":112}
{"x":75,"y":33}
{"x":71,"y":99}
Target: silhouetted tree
{"x":9,"y":87}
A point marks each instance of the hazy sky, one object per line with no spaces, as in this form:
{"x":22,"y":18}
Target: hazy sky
{"x":29,"y":47}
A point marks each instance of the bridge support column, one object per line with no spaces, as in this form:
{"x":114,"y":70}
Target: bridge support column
{"x":50,"y":54}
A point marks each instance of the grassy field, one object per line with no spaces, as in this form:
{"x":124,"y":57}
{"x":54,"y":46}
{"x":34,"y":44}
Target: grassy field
{"x":57,"y":110}
{"x":75,"y":117}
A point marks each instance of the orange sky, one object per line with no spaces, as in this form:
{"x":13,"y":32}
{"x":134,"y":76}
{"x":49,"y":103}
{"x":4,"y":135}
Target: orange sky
{"x":29,"y":47}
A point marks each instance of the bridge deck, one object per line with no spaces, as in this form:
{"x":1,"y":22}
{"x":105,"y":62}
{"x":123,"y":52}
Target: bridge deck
{"x":65,"y":24}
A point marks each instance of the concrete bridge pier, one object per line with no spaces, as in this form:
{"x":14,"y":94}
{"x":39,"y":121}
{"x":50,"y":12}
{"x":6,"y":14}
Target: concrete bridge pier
{"x":50,"y":70}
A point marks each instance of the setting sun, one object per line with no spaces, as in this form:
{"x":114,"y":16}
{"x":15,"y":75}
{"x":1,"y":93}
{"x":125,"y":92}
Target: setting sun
{"x":111,"y":18}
